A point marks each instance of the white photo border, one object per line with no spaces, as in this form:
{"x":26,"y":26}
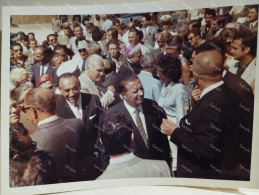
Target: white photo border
{"x":70,"y":9}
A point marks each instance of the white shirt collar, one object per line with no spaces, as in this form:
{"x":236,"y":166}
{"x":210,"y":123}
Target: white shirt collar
{"x":253,"y":23}
{"x":132,"y":109}
{"x":79,"y":103}
{"x":208,"y":89}
{"x":47,"y":120}
{"x":122,"y":159}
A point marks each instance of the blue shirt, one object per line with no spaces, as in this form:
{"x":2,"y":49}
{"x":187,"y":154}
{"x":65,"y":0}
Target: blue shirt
{"x":151,"y":85}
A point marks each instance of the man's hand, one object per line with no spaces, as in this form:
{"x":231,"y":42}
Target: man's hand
{"x":168,"y":127}
{"x":196,"y":93}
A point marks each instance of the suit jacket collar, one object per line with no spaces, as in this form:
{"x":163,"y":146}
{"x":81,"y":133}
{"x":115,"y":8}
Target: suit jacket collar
{"x":50,"y":124}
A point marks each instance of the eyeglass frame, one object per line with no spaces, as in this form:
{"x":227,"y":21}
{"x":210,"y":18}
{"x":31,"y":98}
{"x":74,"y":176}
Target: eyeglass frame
{"x":33,"y":145}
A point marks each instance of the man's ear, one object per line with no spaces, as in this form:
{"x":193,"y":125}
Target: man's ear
{"x":123,"y":95}
{"x":247,"y":49}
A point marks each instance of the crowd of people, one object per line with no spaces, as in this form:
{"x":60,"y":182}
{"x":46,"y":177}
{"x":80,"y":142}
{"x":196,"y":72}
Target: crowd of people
{"x":167,"y":95}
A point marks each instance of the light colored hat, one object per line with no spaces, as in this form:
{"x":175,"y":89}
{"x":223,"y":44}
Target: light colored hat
{"x":66,"y":67}
{"x":82,"y":44}
{"x":166,"y":18}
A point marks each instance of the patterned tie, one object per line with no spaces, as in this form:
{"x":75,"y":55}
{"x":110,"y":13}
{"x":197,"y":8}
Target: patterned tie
{"x":99,"y":90}
{"x":77,"y":112}
{"x":141,"y":127}
{"x":42,"y":71}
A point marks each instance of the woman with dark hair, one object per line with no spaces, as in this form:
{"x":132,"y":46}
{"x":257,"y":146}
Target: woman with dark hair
{"x":173,"y":97}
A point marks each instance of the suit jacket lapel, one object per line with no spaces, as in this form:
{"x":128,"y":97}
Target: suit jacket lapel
{"x":148,"y":119}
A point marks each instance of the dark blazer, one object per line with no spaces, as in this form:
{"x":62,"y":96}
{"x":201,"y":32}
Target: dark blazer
{"x":92,"y":110}
{"x":36,"y":73}
{"x":126,"y":68}
{"x":213,"y":139}
{"x":158,"y":143}
{"x":65,"y":140}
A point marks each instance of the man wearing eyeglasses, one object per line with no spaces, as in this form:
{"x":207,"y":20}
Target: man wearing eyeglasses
{"x":194,"y":38}
{"x":65,"y":139}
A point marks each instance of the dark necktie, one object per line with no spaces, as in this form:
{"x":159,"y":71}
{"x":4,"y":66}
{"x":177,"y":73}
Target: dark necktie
{"x":240,"y":70}
{"x":42,"y":71}
{"x":141,"y":127}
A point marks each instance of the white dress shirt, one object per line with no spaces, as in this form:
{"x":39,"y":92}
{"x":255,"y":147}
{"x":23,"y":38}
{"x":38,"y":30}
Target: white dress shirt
{"x":133,"y":115}
{"x":208,"y":89}
{"x":73,"y":108}
{"x":45,"y":68}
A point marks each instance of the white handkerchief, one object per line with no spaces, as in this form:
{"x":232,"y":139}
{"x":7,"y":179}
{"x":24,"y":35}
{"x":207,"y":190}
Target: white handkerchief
{"x":91,"y":117}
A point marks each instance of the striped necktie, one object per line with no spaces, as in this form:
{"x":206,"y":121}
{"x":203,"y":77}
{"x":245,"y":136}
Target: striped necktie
{"x":141,"y":127}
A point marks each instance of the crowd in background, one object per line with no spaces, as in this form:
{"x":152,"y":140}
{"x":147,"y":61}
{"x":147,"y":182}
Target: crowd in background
{"x":103,"y":97}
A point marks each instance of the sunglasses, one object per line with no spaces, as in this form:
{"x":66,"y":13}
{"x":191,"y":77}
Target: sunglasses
{"x":33,"y":146}
{"x":16,"y":50}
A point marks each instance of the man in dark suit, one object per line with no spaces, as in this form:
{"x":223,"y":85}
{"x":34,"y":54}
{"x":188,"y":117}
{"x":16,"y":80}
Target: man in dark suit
{"x":65,"y":139}
{"x":74,"y":104}
{"x":131,"y":66}
{"x":214,"y":139}
{"x":145,"y":117}
{"x":206,"y":30}
{"x":42,"y":66}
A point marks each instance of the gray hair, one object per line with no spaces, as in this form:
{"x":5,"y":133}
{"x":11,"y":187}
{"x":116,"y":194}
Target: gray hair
{"x":93,"y":46}
{"x":16,"y":75}
{"x":18,"y":93}
{"x":134,"y":50}
{"x":93,"y":58}
{"x":147,"y":60}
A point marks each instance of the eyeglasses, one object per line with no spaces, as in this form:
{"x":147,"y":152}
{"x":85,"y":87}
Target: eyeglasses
{"x":16,"y":50}
{"x":24,"y":109}
{"x":33,"y":146}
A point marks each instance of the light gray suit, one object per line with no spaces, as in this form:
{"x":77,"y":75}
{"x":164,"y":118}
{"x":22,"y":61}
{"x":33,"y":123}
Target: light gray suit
{"x":65,"y":139}
{"x":88,"y":87}
{"x":136,"y":168}
{"x":150,"y":36}
{"x":249,"y":73}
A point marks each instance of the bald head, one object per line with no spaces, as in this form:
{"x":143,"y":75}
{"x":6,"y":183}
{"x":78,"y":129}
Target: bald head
{"x":209,"y":63}
{"x":41,"y":99}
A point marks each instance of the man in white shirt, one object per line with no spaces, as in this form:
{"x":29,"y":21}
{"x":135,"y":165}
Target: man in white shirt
{"x":42,"y":66}
{"x":117,"y":137}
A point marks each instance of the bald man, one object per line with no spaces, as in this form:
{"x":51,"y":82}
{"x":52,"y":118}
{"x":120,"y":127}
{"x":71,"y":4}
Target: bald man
{"x":210,"y":138}
{"x":65,"y":139}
